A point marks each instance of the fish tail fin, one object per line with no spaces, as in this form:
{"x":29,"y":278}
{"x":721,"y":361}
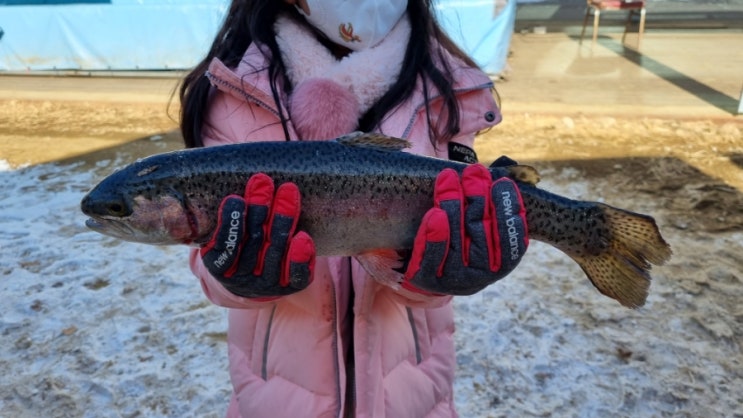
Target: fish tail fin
{"x":622,"y":270}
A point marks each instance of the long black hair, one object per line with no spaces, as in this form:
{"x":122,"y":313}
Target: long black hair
{"x":250,"y":21}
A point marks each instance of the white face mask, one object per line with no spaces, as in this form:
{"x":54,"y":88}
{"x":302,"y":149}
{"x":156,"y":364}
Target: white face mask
{"x":355,"y":24}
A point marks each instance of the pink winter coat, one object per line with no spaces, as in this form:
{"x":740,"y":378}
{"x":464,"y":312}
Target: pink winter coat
{"x":346,"y":345}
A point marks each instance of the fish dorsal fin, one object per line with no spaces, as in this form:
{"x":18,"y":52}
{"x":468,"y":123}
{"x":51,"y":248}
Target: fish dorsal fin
{"x":373,"y":140}
{"x":522,"y":173}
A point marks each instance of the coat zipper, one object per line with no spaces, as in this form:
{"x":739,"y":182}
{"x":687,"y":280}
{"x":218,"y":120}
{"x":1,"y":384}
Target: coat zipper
{"x":351,"y":362}
{"x":418,"y":357}
{"x":243,"y":93}
{"x":264,"y":362}
{"x":336,"y":357}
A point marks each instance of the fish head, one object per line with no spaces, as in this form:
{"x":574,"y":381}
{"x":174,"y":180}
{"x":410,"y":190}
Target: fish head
{"x":160,"y":220}
{"x":133,"y":206}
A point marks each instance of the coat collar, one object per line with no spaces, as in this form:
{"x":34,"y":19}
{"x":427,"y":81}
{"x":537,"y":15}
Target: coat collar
{"x":249,"y":80}
{"x":399,"y":122}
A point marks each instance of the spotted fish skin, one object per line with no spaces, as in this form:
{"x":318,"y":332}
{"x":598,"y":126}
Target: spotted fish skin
{"x":360,"y":194}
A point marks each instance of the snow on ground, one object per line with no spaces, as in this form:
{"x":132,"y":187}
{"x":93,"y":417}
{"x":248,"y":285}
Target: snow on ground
{"x":95,"y":327}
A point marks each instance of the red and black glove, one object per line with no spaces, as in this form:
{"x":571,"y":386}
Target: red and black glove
{"x":473,"y":236}
{"x":254,"y":251}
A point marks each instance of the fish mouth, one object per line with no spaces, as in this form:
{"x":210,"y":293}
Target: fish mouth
{"x":93,"y":224}
{"x":107,"y":227}
{"x":116,"y":229}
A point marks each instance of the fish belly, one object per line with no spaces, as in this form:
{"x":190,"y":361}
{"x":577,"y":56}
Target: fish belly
{"x":363,"y":220}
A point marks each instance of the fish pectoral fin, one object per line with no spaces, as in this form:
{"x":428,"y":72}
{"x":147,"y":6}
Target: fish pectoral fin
{"x":373,"y":140}
{"x":381,"y":265}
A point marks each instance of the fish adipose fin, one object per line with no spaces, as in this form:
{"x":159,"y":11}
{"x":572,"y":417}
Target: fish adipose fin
{"x":621,"y":271}
{"x":522,"y":173}
{"x":381,"y":265}
{"x":373,"y":140}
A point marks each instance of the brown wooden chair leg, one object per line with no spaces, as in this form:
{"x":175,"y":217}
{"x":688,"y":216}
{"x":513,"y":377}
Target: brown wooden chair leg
{"x":626,"y":24}
{"x":585,"y":22}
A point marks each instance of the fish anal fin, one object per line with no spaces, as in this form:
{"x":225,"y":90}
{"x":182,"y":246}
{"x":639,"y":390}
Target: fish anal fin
{"x":381,"y":265}
{"x":373,"y":140}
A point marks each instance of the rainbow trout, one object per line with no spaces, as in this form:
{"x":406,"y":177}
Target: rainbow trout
{"x":363,"y":197}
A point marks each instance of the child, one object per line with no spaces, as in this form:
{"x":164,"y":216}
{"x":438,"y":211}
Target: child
{"x":311,"y":337}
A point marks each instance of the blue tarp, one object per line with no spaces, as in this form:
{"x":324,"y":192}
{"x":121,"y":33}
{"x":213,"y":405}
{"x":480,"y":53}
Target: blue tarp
{"x":482,"y":28}
{"x":120,"y":35}
{"x":124,"y":35}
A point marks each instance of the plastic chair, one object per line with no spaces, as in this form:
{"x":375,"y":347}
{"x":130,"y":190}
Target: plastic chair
{"x":598,"y":6}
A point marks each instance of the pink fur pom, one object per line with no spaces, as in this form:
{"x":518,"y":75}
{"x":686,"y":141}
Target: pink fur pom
{"x":323,"y":109}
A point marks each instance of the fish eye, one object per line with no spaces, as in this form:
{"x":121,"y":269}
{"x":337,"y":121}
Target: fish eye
{"x":116,"y":209}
